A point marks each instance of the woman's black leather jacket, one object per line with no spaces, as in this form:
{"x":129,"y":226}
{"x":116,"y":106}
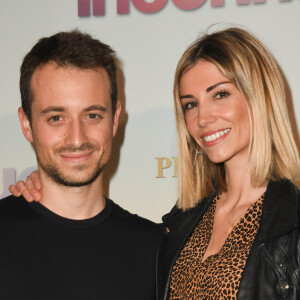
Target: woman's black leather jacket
{"x":272,"y":269}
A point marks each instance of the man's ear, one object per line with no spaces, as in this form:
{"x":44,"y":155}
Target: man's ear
{"x":116,"y":118}
{"x":25,"y":125}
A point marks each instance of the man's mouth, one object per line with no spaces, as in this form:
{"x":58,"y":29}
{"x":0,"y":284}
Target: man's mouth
{"x":76,"y":156}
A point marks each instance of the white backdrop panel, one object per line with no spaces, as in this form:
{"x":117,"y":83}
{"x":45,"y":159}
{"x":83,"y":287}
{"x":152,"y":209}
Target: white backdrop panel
{"x":148,"y":46}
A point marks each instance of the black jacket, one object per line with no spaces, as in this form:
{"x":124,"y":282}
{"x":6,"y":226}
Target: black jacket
{"x":272,"y":269}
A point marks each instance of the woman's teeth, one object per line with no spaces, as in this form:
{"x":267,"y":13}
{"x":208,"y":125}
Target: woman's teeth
{"x":212,"y":137}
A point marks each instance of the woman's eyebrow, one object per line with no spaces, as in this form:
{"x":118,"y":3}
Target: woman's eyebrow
{"x":215,"y":85}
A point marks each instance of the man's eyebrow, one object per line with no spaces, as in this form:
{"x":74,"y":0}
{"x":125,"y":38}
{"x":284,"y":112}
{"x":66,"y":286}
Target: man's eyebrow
{"x":52,"y":109}
{"x":62,"y":109}
{"x":96,"y":107}
{"x":215,"y":85}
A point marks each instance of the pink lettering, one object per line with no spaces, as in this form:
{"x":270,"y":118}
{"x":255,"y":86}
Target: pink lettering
{"x":123,"y":7}
{"x":84,"y":6}
{"x":242,"y":2}
{"x":141,"y":5}
{"x":98,"y":8}
{"x":84,"y":9}
{"x":149,"y":8}
{"x":188,"y":4}
{"x":216,"y":3}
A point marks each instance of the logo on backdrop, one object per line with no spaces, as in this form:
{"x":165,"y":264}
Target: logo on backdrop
{"x":166,"y":167}
{"x":9,"y":177}
{"x":144,"y":6}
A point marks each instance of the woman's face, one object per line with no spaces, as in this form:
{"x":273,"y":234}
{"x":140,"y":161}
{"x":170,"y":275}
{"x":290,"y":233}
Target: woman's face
{"x":216,"y":113}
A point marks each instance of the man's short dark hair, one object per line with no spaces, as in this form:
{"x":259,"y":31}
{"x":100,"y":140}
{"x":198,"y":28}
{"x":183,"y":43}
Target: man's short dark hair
{"x":67,"y":49}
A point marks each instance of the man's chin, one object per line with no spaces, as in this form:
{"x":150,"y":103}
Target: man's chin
{"x":70,"y":183}
{"x":72,"y":180}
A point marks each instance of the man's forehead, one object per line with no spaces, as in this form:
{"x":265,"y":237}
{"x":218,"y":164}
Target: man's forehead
{"x":55,"y":67}
{"x":70,"y":87}
{"x":52,"y":73}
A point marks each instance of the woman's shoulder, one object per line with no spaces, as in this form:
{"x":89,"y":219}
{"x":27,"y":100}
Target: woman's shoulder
{"x":282,"y":202}
{"x":283,"y":188}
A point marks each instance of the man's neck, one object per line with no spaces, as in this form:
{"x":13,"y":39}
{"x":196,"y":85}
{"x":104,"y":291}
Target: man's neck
{"x":77,"y":203}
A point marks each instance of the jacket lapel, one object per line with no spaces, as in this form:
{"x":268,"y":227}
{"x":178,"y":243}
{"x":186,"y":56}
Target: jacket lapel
{"x":176,"y":238}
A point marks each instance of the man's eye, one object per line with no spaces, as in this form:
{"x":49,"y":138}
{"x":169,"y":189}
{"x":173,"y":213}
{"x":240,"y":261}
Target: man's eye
{"x":189,"y":105}
{"x":93,"y":116}
{"x":55,"y":119}
{"x":222,"y":94}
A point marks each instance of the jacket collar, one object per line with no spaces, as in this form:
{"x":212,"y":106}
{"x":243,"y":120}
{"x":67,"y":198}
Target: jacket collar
{"x":281,"y":209}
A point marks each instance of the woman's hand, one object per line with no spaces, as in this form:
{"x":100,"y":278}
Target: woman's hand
{"x":30,"y":189}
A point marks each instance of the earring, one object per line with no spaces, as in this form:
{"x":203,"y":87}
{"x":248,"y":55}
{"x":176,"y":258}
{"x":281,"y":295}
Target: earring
{"x":201,"y":152}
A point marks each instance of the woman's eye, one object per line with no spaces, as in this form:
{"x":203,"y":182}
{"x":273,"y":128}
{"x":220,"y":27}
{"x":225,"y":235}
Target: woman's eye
{"x":221,"y":94}
{"x":189,"y":105}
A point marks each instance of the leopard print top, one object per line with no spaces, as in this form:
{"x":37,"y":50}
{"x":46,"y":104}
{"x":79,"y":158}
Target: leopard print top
{"x":218,"y":277}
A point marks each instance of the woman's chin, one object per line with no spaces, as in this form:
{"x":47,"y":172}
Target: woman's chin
{"x":217,"y":159}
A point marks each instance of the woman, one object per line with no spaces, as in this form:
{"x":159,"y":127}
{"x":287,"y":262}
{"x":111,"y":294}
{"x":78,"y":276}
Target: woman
{"x":238,"y":156}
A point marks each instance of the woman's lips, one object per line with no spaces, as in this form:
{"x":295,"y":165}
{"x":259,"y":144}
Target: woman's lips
{"x":215,"y":136}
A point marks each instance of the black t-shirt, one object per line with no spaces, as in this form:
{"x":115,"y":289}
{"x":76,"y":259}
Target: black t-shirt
{"x":45,"y":256}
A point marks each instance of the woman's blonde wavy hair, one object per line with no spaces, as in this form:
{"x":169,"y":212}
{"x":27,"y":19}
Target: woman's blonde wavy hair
{"x":243,"y":59}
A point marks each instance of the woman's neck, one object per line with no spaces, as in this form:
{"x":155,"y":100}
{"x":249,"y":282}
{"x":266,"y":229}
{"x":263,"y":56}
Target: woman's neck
{"x":241,"y":190}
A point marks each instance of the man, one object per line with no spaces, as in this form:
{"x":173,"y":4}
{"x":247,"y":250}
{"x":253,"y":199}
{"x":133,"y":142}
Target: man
{"x":74,"y":243}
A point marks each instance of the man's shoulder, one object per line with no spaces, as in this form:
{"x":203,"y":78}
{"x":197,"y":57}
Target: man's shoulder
{"x":12,"y":204}
{"x":133,"y":221}
{"x":14,"y":211}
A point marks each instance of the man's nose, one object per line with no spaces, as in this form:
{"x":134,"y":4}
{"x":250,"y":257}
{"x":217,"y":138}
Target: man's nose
{"x":76,"y":134}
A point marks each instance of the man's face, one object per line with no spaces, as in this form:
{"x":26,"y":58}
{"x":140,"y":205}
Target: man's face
{"x":72,"y":123}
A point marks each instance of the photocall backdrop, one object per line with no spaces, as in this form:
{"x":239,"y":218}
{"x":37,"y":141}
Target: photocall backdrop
{"x":149,"y":37}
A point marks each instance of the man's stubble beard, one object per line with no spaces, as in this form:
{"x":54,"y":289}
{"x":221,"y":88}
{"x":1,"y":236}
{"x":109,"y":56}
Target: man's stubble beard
{"x":56,"y":174}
